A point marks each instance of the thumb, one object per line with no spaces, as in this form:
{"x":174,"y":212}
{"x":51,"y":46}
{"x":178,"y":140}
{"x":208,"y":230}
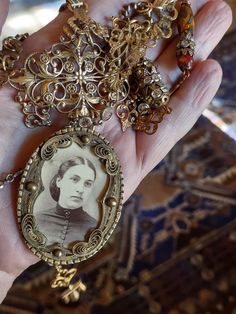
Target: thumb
{"x":4,"y":7}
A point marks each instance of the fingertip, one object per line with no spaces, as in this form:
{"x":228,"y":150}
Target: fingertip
{"x":208,"y":75}
{"x":225,"y":10}
{"x":211,"y":72}
{"x":218,"y":8}
{"x":212,"y":22}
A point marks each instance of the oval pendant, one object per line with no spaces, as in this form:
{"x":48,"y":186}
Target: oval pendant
{"x":70,"y":196}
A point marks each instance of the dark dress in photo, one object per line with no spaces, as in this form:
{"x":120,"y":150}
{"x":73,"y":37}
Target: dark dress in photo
{"x":64,"y":226}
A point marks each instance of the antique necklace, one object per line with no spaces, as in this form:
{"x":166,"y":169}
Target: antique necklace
{"x":71,"y":190}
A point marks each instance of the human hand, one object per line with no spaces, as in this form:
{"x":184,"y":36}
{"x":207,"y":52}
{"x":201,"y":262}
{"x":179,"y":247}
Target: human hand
{"x":138,"y":152}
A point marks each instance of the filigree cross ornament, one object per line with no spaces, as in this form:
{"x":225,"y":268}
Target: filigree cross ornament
{"x":64,"y":279}
{"x":71,"y":189}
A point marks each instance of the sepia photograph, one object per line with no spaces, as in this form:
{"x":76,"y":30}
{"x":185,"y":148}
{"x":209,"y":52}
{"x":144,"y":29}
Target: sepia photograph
{"x":68,"y":209}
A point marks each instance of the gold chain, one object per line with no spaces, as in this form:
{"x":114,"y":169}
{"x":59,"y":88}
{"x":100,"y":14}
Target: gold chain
{"x":11,"y":50}
{"x":9,"y":178}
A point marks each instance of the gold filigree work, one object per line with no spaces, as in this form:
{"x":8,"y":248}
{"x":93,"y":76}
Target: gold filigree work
{"x":65,"y":78}
{"x":146,"y":106}
{"x":70,"y":76}
{"x":63,"y":277}
{"x":93,"y":68}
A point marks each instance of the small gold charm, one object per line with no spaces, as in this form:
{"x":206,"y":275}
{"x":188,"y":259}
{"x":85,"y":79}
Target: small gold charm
{"x":146,"y":105}
{"x":63,"y":277}
{"x":63,"y":280}
{"x":72,"y":294}
{"x":148,"y":121}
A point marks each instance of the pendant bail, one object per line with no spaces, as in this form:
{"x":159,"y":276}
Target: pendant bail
{"x":80,"y":118}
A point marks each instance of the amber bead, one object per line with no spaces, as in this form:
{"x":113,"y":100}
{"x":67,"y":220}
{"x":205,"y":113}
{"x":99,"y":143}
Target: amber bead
{"x":185,"y":18}
{"x":185,"y":62}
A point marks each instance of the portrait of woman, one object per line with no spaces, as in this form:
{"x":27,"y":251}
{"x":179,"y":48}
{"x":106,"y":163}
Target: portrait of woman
{"x":71,"y":187}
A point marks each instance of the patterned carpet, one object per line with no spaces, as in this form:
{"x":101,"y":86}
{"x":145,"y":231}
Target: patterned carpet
{"x":174,"y":251}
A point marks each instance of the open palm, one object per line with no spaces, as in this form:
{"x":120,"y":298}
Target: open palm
{"x":138,"y":152}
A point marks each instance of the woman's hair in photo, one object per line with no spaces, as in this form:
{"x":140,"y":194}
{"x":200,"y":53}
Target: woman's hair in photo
{"x":54,"y":190}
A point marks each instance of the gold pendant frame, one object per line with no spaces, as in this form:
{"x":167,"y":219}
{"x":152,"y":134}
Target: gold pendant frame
{"x":109,"y":203}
